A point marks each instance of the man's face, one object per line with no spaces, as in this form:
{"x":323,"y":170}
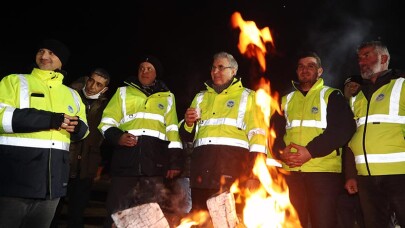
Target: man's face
{"x":47,"y":60}
{"x":146,"y":73}
{"x":95,"y":84}
{"x":221,"y":71}
{"x":308,"y":71}
{"x":369,"y":62}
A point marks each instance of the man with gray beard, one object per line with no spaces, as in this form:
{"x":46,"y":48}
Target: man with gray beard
{"x":378,"y":144}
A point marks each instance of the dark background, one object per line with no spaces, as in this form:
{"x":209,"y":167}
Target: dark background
{"x":185,"y":34}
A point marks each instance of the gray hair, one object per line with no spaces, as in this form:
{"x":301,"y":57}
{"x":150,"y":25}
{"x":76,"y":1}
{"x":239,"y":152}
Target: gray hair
{"x":231,"y":59}
{"x":379,"y":47}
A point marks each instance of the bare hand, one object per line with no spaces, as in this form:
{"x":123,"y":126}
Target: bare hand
{"x":128,"y":139}
{"x":69,"y":123}
{"x":191,"y":116}
{"x":351,"y":186}
{"x":295,"y":159}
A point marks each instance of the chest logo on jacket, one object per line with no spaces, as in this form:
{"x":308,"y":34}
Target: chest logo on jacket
{"x":70,"y":109}
{"x":161,"y":106}
{"x":314,"y":110}
{"x":380,"y":97}
{"x":230,"y":104}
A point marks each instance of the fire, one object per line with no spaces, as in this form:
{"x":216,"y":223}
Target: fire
{"x":269,"y":205}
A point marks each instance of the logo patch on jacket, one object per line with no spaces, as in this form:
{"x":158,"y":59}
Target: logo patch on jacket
{"x":380,"y":97}
{"x":230,"y":104}
{"x":314,"y":110}
{"x":161,"y":106}
{"x":70,"y":109}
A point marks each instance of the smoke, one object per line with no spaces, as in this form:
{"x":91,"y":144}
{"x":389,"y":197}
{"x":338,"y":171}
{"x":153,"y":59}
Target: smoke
{"x":337,"y":46}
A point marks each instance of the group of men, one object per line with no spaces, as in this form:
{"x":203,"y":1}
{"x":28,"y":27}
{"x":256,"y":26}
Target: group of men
{"x":41,"y":120}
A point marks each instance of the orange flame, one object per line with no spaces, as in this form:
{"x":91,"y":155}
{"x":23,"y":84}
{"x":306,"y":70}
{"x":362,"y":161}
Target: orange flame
{"x":250,"y":34}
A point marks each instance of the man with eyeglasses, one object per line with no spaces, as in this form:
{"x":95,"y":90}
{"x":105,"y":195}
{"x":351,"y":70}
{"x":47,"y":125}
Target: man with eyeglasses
{"x":227,"y":133}
{"x":317,"y":121}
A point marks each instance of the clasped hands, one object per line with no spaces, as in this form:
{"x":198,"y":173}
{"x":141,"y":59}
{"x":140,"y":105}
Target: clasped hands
{"x":295,"y":159}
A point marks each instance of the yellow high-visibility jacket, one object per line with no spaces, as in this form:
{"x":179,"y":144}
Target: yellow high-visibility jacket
{"x":34,"y":159}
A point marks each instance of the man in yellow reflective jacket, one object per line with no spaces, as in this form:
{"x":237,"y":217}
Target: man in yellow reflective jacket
{"x":378,"y":144}
{"x":39,"y":116}
{"x":223,"y":122}
{"x":317,"y":121}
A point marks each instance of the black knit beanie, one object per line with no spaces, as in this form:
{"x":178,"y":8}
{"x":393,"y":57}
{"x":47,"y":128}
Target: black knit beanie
{"x":58,"y":48}
{"x":156,"y":64}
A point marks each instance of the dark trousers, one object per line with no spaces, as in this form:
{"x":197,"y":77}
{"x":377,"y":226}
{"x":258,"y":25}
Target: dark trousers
{"x":78,"y":196}
{"x":380,"y":196}
{"x":30,"y":213}
{"x":349,"y":211}
{"x":314,"y":196}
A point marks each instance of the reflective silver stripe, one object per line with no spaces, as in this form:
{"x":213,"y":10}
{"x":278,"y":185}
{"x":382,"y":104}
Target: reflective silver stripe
{"x":110,"y":121}
{"x":169,"y":104}
{"x":149,"y":132}
{"x":309,"y":123}
{"x":8,"y":119}
{"x":199,"y":99}
{"x":353,"y":99}
{"x":219,"y":121}
{"x":381,"y":158}
{"x":221,"y":141}
{"x":123,"y":94}
{"x":288,"y":123}
{"x":34,"y":143}
{"x":143,"y":115}
{"x":258,"y":148}
{"x":172,"y":127}
{"x":176,"y":145}
{"x":24,"y":92}
{"x":256,"y":131}
{"x":242,"y":109}
{"x":393,"y":113}
{"x":76,"y":98}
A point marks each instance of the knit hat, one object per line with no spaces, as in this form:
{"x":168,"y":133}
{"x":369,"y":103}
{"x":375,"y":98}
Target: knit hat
{"x":354,"y":78}
{"x":58,"y":48}
{"x":156,"y":64}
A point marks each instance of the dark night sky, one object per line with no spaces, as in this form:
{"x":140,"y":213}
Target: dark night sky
{"x":185,"y":35}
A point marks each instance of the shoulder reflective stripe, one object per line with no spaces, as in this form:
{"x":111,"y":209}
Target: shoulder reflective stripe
{"x":34,"y":143}
{"x":393,"y":115}
{"x":123,"y":94}
{"x":176,"y":145}
{"x":242,"y":109}
{"x":24,"y":92}
{"x":353,"y":99}
{"x":199,"y":98}
{"x":258,"y":148}
{"x":381,"y":158}
{"x":169,"y":103}
{"x":323,"y":123}
{"x":76,"y":98}
{"x":149,"y":132}
{"x":221,"y":141}
{"x":288,"y":98}
{"x":143,"y":115}
{"x":8,"y":119}
{"x":219,"y":121}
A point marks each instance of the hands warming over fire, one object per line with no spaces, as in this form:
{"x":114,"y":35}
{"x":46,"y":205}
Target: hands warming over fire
{"x":295,"y":159}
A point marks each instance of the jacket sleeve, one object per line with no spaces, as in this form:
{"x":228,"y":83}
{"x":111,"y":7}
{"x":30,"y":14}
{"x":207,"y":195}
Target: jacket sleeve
{"x":340,"y":127}
{"x":32,"y":120}
{"x":109,"y":123}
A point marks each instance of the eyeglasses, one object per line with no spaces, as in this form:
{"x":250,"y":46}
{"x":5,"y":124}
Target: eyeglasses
{"x":220,"y":68}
